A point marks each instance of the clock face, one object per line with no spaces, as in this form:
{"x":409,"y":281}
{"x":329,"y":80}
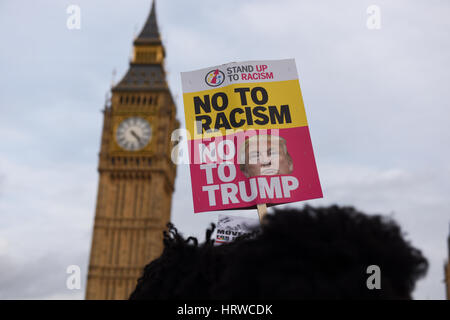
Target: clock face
{"x":133,"y":133}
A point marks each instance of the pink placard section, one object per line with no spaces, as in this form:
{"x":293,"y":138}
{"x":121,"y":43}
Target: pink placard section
{"x":221,"y":180}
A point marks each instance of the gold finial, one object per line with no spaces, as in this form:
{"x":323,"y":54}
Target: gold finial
{"x":113,"y":77}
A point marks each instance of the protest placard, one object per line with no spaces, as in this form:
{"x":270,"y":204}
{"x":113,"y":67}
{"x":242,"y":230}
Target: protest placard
{"x":248,"y":136}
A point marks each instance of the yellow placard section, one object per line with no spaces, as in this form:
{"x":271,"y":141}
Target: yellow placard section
{"x":244,"y":106}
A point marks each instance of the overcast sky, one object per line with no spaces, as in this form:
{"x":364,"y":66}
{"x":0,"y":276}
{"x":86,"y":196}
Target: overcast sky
{"x":376,"y":102}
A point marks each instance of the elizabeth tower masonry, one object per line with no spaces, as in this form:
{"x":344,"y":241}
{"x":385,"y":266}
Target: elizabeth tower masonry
{"x":137,"y":175}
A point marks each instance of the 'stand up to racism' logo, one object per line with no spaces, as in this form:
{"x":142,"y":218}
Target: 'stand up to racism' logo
{"x":214,"y":78}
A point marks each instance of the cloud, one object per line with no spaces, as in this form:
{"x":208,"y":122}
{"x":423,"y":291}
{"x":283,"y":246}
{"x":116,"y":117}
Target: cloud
{"x":3,"y":246}
{"x":46,"y":225}
{"x":40,"y":278}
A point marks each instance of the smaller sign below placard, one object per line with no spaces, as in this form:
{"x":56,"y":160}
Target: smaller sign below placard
{"x":230,"y":227}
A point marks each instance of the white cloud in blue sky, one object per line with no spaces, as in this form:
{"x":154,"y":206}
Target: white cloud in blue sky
{"x":376,"y":101}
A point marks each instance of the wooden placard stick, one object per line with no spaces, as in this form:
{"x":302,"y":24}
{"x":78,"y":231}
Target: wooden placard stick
{"x":262,"y":211}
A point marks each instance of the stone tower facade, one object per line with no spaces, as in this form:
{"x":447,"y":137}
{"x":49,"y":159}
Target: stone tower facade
{"x":136,"y":172}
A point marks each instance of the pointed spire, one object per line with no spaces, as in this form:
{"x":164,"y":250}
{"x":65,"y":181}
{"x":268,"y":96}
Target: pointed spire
{"x":150,"y":31}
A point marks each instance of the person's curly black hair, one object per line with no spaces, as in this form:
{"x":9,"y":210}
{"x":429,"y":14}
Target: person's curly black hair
{"x":309,"y":253}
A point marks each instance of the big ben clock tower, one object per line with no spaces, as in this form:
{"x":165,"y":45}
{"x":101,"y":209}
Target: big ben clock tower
{"x":136,"y":172}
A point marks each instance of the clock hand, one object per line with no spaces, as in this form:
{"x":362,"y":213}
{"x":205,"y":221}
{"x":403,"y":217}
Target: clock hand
{"x":136,"y":136}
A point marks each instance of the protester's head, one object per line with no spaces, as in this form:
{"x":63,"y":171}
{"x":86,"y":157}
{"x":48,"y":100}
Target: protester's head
{"x":264,"y":155}
{"x":313,"y":253}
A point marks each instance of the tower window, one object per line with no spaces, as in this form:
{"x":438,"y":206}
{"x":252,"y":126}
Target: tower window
{"x":144,"y":100}
{"x":150,"y":100}
{"x":138,"y":100}
{"x":132,"y":100}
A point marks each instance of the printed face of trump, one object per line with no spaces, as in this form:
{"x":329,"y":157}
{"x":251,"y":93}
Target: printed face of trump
{"x":265,"y":155}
